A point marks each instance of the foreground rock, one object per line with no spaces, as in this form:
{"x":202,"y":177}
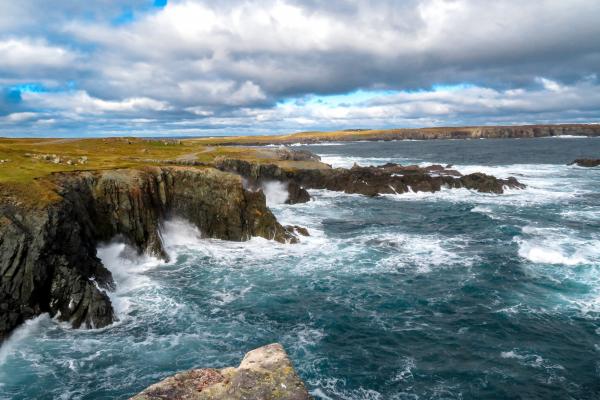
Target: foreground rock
{"x":372,"y":181}
{"x":264,"y":374}
{"x":48,"y":259}
{"x":587,"y":162}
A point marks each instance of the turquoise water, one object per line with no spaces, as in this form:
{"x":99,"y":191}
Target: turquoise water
{"x":453,"y":295}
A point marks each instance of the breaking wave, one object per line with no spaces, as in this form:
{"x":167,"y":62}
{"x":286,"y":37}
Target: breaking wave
{"x":420,"y":295}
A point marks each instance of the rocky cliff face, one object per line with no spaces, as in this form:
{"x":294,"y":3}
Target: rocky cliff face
{"x":264,"y":374}
{"x":48,"y":259}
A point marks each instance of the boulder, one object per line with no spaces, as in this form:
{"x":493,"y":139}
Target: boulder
{"x":587,"y":162}
{"x":264,"y":374}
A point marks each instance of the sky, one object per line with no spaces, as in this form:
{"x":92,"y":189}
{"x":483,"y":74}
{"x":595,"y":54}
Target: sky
{"x":194,"y":67}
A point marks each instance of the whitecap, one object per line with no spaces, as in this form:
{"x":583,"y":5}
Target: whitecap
{"x":12,"y":344}
{"x":405,"y":373}
{"x":338,"y":161}
{"x":545,"y":245}
{"x":529,"y":359}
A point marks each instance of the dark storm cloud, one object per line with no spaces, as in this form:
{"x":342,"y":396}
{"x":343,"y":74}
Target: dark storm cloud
{"x":231,"y":66}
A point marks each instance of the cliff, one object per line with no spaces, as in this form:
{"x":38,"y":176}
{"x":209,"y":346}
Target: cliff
{"x":468,"y":132}
{"x":264,"y":374}
{"x":48,"y":259}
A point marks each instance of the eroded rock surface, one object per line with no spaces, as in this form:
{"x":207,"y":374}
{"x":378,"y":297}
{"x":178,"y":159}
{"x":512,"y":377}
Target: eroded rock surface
{"x":264,"y":374}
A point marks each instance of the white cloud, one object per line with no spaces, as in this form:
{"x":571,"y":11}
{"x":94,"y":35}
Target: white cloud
{"x":19,"y":54}
{"x":20,"y":117}
{"x":81,"y":103}
{"x":212,"y":65}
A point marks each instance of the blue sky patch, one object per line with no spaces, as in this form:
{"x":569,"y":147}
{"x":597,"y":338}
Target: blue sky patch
{"x":126,"y":17}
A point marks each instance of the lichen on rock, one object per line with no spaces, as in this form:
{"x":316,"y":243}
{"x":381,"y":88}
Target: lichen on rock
{"x":265,"y":373}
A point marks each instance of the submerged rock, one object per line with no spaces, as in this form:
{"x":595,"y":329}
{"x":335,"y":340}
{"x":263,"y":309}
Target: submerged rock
{"x":264,"y":374}
{"x":587,"y":162}
{"x":48,"y":259}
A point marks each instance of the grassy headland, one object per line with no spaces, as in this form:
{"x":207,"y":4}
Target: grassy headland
{"x":26,"y":164}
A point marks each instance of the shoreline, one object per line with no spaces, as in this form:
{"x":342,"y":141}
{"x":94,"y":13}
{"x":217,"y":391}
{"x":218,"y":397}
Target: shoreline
{"x":436,"y":133}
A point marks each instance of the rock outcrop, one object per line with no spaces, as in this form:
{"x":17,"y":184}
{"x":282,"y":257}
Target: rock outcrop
{"x":372,"y":181}
{"x":587,"y":162}
{"x":48,"y":259}
{"x":264,"y":374}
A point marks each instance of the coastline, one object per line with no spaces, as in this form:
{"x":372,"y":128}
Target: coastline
{"x":467,"y":132}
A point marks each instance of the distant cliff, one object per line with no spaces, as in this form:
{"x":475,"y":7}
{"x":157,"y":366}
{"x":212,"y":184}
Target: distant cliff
{"x":471,"y":132}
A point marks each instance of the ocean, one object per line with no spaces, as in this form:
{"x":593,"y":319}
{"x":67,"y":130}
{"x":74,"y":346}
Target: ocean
{"x":450,"y":295}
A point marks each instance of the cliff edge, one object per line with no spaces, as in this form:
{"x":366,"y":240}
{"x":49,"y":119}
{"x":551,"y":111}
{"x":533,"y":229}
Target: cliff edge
{"x":48,"y":259}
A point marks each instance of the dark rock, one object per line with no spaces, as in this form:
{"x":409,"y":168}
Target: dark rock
{"x":372,"y":181}
{"x":297,"y":194}
{"x":297,"y":230}
{"x":48,"y":259}
{"x":587,"y":162}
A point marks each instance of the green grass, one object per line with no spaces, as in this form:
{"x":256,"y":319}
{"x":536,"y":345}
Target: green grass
{"x":26,"y":179}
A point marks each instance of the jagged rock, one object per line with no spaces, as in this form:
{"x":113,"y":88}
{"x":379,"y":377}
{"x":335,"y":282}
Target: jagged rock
{"x":299,"y":230}
{"x":48,"y":259}
{"x":587,"y":162}
{"x":372,"y":181}
{"x":264,"y":374}
{"x":297,"y":194}
{"x":287,"y":154}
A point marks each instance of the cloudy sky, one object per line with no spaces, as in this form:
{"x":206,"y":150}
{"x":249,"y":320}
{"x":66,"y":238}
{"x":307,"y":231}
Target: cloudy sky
{"x":194,"y":67}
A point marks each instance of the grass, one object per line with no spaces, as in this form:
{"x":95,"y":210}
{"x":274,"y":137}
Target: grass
{"x":25,"y":174}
